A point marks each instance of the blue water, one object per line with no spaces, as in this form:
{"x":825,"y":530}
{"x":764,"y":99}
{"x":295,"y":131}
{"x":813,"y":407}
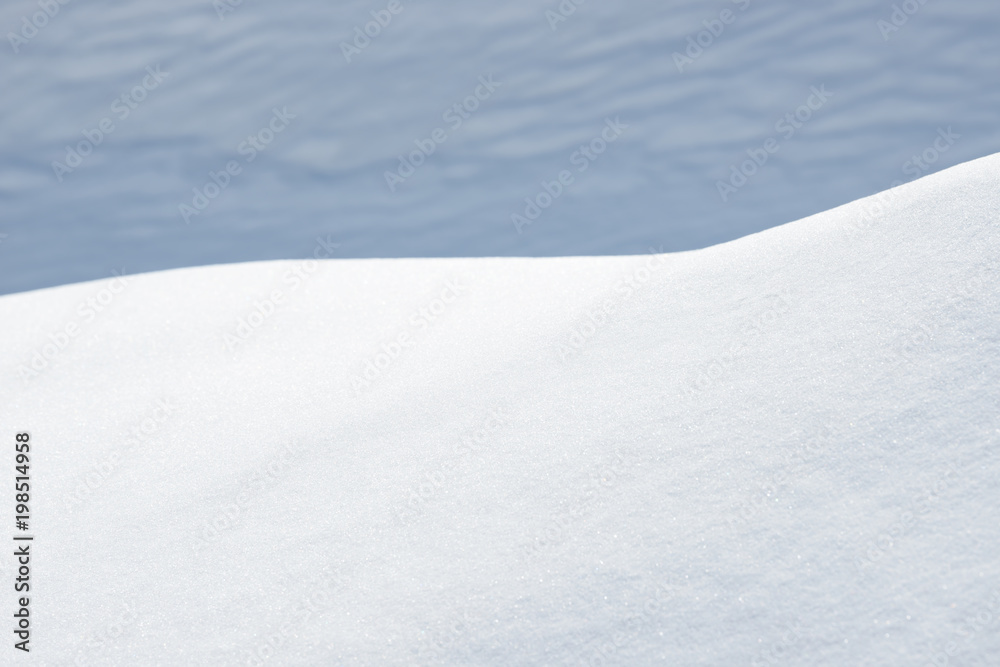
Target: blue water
{"x":885,"y":96}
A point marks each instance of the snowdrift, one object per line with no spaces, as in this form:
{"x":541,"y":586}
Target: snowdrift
{"x":894,"y":76}
{"x":780,"y":450}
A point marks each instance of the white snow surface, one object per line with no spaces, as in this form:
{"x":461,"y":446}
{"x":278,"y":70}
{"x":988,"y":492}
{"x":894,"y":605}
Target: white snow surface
{"x":892,"y":90}
{"x":779,"y":450}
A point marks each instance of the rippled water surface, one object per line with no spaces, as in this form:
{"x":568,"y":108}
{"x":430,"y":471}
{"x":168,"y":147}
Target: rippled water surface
{"x":885,"y":96}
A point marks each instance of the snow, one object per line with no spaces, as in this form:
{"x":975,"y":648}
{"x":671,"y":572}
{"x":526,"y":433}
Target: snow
{"x":891,"y":92}
{"x":778,"y":450}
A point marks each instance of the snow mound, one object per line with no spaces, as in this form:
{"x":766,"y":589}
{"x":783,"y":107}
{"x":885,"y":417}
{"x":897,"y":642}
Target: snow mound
{"x":780,"y":450}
